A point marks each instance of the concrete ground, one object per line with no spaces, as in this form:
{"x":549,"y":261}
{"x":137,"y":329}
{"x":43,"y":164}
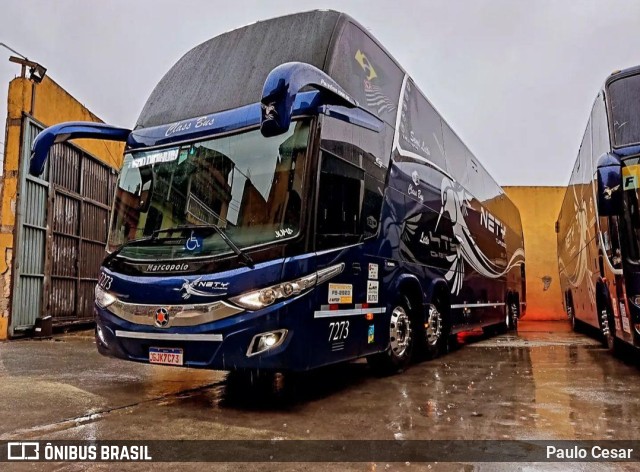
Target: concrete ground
{"x":546,"y":382}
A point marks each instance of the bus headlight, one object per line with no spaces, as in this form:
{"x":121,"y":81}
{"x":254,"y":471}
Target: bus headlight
{"x":104,"y":298}
{"x":257,"y":299}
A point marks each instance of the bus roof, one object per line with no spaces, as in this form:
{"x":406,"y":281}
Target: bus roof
{"x":229,"y":70}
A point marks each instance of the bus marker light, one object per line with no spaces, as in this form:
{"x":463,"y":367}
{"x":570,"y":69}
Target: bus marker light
{"x":100,"y":334}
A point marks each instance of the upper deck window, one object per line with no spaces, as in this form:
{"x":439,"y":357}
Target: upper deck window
{"x":624,"y":97}
{"x":367,"y":73}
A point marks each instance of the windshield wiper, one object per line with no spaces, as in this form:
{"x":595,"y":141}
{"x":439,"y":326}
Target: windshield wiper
{"x":154,"y":238}
{"x":239,"y":252}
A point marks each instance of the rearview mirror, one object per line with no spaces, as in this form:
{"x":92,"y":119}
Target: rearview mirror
{"x":70,"y":130}
{"x":283,"y":84}
{"x":609,"y":181}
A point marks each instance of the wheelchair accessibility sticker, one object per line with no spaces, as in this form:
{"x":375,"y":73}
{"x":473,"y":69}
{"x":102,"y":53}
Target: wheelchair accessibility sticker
{"x":194,"y":243}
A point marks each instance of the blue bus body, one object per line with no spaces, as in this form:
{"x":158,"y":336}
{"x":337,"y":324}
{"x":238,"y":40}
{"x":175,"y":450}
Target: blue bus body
{"x":374,"y":232}
{"x":598,"y":222}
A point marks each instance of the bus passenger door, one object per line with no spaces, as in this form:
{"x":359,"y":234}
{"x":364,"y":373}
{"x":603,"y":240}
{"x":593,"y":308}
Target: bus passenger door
{"x":340,"y":316}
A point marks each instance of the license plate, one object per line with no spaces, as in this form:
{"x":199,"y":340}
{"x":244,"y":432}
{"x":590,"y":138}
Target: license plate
{"x":166,"y":355}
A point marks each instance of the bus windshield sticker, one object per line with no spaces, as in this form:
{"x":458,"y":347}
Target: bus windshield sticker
{"x":340,"y":293}
{"x":373,"y":271}
{"x":194,"y":243}
{"x":370,"y":334}
{"x":372,"y":291}
{"x":281,"y":233}
{"x":630,"y":176}
{"x":149,"y":158}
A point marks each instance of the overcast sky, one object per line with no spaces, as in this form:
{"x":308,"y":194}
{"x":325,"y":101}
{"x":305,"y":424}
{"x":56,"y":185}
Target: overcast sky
{"x":515,"y":79}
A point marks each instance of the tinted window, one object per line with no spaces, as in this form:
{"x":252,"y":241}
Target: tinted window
{"x":358,"y":145}
{"x":585,"y":155}
{"x":457,"y":154}
{"x":599,"y":129}
{"x":475,"y":178}
{"x":339,"y":203}
{"x":366,"y":72}
{"x":624,"y":98}
{"x":420,"y":127}
{"x":366,"y":150}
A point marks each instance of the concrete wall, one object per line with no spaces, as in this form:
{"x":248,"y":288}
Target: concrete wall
{"x":539,"y":208}
{"x":47,"y":103}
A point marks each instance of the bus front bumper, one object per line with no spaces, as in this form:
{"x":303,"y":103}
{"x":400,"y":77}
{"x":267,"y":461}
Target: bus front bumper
{"x":232,"y":344}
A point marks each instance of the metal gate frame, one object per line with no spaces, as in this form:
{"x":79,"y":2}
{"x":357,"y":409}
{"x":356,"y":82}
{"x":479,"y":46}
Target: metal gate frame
{"x":60,"y":234}
{"x":27,"y":284}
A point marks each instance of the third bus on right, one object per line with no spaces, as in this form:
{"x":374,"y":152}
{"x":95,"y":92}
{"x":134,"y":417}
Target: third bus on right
{"x":598,"y":227}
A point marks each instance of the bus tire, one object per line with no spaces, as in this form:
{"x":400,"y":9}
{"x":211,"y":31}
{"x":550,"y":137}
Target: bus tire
{"x":434,"y":334}
{"x":513,"y":313}
{"x":607,"y":327}
{"x":397,"y":356}
{"x":571,"y":315}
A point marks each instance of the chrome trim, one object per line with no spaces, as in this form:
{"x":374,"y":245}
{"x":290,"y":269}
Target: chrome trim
{"x":328,"y":273}
{"x":168,"y":336}
{"x":327,"y":251}
{"x":347,"y":312}
{"x":283,"y":333}
{"x":179,"y":315}
{"x":314,"y":279}
{"x":476,"y":305}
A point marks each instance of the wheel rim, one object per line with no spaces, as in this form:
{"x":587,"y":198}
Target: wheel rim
{"x":572,"y":318}
{"x":399,"y":331}
{"x":606,"y":329}
{"x":433,"y":328}
{"x":514,"y":314}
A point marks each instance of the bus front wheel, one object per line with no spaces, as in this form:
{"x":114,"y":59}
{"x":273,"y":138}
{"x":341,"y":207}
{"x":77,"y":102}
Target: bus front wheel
{"x":397,"y":356}
{"x":608,"y":329}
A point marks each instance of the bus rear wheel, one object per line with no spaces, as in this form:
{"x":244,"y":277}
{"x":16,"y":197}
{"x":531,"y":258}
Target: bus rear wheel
{"x":512,"y":315}
{"x":435,"y":332}
{"x":397,"y":356}
{"x":608,"y":329}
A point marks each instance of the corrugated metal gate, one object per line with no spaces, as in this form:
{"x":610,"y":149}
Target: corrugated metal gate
{"x":61,"y":231}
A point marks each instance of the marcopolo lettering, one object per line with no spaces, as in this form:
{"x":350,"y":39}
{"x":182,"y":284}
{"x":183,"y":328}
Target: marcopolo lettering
{"x":167,"y":267}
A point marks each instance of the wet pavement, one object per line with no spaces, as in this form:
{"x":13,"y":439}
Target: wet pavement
{"x":546,"y":382}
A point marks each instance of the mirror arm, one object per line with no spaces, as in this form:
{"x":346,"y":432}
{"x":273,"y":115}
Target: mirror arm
{"x":66,"y":131}
{"x":284,"y":83}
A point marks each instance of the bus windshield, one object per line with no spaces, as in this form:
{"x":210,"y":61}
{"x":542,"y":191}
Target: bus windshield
{"x":247,"y":185}
{"x":624,"y":97}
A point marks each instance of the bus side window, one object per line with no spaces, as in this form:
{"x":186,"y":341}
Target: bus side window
{"x":340,"y":200}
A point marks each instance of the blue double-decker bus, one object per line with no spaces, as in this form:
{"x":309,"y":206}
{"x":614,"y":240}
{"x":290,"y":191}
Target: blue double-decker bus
{"x":290,"y":199}
{"x":598,"y":227}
